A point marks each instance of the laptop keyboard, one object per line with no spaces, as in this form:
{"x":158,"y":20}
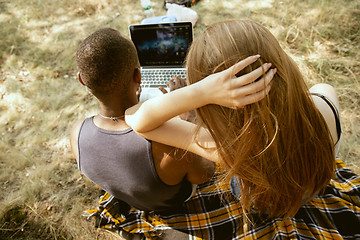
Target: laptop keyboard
{"x":159,"y":77}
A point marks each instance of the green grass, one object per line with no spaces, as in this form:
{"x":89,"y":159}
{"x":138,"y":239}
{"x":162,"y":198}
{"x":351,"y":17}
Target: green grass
{"x":43,"y":193}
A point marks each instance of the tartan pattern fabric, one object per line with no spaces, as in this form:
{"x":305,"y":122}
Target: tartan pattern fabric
{"x":212,"y":213}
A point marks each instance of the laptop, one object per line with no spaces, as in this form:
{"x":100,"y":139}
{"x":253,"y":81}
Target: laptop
{"x":161,"y":49}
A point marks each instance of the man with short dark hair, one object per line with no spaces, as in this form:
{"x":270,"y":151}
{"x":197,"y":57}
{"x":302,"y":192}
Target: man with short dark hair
{"x":147,"y":175}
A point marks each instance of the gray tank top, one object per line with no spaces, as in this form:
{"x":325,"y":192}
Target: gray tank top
{"x":121,"y":163}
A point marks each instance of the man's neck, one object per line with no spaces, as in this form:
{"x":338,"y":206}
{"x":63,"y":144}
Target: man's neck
{"x":116,"y":107}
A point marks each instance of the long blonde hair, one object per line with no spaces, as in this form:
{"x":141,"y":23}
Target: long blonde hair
{"x":280,"y":148}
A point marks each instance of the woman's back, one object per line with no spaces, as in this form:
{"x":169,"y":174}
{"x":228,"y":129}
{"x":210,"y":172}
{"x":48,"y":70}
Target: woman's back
{"x":280,"y":148}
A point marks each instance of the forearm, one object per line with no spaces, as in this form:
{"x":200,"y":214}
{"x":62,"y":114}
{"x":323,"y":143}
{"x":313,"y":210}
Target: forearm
{"x":185,"y":131}
{"x":221,"y":88}
{"x":154,"y":112}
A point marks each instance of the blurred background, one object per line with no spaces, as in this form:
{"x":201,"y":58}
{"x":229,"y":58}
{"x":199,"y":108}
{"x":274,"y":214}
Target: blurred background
{"x":43,"y":194}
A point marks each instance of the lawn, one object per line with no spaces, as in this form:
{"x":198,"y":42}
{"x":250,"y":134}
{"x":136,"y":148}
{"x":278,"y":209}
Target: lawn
{"x":43,"y":193}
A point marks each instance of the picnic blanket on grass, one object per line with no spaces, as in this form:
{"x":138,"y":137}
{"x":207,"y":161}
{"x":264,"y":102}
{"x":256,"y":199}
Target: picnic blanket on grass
{"x":213,"y":213}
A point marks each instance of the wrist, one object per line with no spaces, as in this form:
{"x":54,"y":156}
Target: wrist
{"x":200,"y":91}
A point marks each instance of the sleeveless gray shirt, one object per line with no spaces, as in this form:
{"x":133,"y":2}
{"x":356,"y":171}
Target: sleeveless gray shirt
{"x":121,"y":163}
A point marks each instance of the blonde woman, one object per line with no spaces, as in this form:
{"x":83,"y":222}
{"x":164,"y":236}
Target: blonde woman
{"x":279,"y":151}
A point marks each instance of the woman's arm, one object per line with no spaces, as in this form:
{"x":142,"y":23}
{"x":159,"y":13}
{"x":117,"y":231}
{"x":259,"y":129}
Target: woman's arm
{"x":180,"y":134}
{"x":221,"y":88}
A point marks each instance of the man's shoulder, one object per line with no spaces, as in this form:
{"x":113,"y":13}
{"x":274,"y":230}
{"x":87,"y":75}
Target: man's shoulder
{"x":174,"y":153}
{"x":74,"y":133}
{"x":76,"y":127}
{"x":169,"y":162}
{"x":172,"y":158}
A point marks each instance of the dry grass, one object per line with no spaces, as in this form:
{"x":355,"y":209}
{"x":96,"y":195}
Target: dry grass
{"x":43,"y":193}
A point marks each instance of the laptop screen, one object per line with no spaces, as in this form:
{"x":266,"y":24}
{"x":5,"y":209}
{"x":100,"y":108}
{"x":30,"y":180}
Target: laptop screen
{"x":163,"y":44}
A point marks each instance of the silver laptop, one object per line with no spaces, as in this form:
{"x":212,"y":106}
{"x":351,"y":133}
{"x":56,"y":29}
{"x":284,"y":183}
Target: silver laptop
{"x":162,"y":49}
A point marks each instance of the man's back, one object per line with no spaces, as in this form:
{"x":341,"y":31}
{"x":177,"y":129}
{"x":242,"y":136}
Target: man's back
{"x":145,"y":175}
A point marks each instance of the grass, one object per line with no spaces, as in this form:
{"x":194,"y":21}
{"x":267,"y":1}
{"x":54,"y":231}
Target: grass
{"x":43,"y":192}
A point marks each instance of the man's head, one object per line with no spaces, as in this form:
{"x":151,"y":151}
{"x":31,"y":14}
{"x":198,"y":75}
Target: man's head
{"x":106,"y":61}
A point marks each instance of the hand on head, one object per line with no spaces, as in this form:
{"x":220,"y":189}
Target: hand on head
{"x":225,"y":89}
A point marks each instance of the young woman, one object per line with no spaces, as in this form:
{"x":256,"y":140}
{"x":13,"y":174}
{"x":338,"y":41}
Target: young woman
{"x":279,"y":146}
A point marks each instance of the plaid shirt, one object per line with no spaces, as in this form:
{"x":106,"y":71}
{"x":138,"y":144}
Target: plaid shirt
{"x":212,"y":213}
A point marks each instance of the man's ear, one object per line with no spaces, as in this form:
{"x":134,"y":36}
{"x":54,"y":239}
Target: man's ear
{"x":80,"y":79}
{"x":137,"y":76}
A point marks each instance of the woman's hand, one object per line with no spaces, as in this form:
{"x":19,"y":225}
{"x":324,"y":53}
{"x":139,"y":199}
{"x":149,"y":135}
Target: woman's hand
{"x":225,"y":89}
{"x":222,"y":88}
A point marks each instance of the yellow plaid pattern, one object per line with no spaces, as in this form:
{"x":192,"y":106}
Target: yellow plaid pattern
{"x":212,"y":213}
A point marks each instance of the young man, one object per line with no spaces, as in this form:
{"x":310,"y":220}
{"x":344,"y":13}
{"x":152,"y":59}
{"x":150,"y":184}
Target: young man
{"x":147,"y":175}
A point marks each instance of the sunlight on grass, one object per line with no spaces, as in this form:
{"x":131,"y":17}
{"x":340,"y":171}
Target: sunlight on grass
{"x":259,"y":4}
{"x":41,"y":98}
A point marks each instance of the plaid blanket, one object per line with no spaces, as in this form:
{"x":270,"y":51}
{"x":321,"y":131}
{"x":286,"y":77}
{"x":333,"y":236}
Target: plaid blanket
{"x":212,"y":213}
